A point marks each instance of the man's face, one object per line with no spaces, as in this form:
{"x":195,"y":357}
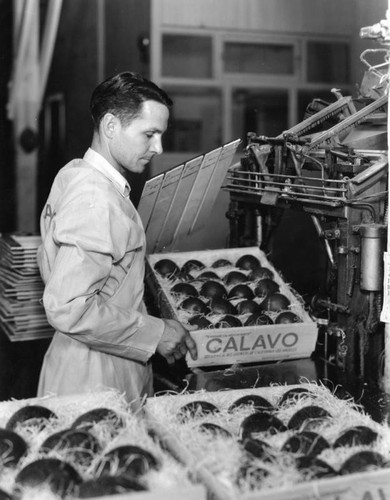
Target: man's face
{"x":134,"y":145}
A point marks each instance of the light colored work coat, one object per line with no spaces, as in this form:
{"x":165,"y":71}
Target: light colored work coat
{"x":92,"y":264}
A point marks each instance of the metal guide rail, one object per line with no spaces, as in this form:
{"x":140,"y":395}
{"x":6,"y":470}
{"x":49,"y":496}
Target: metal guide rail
{"x":269,"y":188}
{"x":287,"y":187}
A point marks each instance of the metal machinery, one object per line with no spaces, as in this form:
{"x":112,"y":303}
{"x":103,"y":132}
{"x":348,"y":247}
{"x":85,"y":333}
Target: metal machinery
{"x":333,"y":166}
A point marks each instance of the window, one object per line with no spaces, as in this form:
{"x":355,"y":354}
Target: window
{"x":186,"y":56}
{"x":225,"y":84}
{"x":195,"y":122}
{"x":262,"y":58}
{"x":327,"y":62}
{"x":264,"y":111}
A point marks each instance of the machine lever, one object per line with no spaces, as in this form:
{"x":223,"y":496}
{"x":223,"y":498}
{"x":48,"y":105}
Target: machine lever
{"x":319,"y":117}
{"x":347,"y":123}
{"x":320,"y":232}
{"x":332,"y":306}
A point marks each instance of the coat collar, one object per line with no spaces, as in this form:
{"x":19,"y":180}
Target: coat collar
{"x":100,"y":163}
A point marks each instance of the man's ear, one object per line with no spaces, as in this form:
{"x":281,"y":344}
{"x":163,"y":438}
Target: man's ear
{"x":108,"y":125}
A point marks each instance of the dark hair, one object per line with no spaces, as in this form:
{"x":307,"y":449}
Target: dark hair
{"x":122,"y":95}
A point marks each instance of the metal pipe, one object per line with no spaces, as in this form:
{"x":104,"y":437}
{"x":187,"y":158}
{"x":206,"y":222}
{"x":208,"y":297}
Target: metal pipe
{"x":371,"y":263}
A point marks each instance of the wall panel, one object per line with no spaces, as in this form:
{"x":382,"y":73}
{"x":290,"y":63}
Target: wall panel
{"x":73,"y":74}
{"x":126,"y":21}
{"x":303,"y":16}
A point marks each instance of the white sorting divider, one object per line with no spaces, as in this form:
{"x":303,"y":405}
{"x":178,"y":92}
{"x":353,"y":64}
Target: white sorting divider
{"x":188,"y":176}
{"x":217,"y":178}
{"x":177,"y":202}
{"x":162,"y":206}
{"x":197,"y":194}
{"x":148,"y":198}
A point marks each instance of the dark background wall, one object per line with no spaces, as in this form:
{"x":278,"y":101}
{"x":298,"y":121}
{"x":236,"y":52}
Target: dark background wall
{"x":90,"y":47}
{"x":7,"y":192}
{"x":126,"y":49}
{"x":73,"y":74}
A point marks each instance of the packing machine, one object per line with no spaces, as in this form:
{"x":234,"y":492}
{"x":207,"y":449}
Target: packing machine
{"x":333,"y":166}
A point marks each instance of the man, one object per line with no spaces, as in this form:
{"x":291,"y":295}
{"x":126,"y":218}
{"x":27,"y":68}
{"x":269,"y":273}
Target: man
{"x":92,"y":253}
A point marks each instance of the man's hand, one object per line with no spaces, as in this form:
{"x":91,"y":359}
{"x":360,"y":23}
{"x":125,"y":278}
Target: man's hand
{"x":176,"y":342}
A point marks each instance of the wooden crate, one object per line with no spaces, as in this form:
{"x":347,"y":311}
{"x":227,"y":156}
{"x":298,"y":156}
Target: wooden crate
{"x":170,"y":482}
{"x":245,"y":344}
{"x":218,"y":471}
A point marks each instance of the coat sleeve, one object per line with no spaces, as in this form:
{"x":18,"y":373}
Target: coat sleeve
{"x":88,"y":243}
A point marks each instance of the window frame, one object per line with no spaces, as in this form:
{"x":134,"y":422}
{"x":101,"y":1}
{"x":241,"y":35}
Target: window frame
{"x":227,"y":82}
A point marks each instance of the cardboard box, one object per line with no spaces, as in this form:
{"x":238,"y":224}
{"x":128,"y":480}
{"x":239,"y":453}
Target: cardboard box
{"x":247,"y":344}
{"x":169,"y":482}
{"x":364,"y":486}
{"x":196,"y":450}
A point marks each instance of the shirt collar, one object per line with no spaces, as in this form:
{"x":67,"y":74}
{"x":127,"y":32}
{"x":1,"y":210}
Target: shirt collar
{"x":105,"y":167}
